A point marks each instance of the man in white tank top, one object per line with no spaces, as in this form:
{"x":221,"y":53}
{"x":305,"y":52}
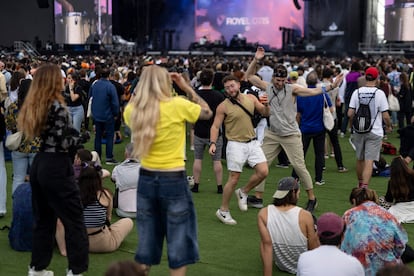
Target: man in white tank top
{"x":286,"y":230}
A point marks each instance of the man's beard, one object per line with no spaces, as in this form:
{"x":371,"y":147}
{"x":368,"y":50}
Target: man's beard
{"x":236,"y":96}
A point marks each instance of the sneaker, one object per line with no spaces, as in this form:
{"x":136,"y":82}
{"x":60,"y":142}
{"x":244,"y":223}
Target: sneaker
{"x":311,"y":206}
{"x":352,"y":143}
{"x":342,"y":169}
{"x":342,"y":135}
{"x":44,"y":272}
{"x":332,"y":154}
{"x":190,"y":181}
{"x":225,"y":217}
{"x":320,"y":183}
{"x":70,"y":273}
{"x":283,"y":166}
{"x":326,"y":156}
{"x":241,"y":199}
{"x":255,"y":202}
{"x":111,"y":161}
{"x":194,"y":189}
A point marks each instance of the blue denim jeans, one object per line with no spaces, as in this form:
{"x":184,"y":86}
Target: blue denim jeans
{"x":3,"y":181}
{"x":21,"y":162}
{"x":109,"y":128}
{"x":76,"y":114}
{"x":165,"y":209}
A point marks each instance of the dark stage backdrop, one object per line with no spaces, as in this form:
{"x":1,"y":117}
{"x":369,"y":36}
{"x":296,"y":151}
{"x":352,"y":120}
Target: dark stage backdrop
{"x":24,"y":20}
{"x":335,"y":26}
{"x":330,"y":25}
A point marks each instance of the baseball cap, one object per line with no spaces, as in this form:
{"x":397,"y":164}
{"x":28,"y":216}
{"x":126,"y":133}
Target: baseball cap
{"x":330,"y":225}
{"x":372,"y":72}
{"x":285,"y":185}
{"x":293,"y":75}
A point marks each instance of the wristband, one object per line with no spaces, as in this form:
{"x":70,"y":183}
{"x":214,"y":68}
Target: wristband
{"x":212,"y":143}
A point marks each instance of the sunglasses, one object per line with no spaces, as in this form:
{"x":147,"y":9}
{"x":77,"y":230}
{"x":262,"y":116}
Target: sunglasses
{"x":280,"y":74}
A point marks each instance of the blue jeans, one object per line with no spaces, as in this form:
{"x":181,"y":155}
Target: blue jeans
{"x":77,"y":115}
{"x":165,"y":209}
{"x":109,"y":128}
{"x":3,"y":180}
{"x":21,"y":162}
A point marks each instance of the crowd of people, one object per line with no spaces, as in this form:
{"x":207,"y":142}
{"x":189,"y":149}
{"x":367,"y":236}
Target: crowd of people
{"x":55,"y":102}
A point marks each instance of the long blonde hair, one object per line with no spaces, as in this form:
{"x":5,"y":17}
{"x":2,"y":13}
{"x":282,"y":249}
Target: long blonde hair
{"x":154,"y":85}
{"x":46,"y":87}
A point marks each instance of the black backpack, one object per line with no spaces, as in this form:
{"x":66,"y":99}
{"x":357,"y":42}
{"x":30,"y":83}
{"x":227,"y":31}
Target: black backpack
{"x":361,"y":122}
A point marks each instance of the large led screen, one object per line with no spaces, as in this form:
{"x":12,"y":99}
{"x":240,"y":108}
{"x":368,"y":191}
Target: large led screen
{"x":83,"y":21}
{"x":257,"y":21}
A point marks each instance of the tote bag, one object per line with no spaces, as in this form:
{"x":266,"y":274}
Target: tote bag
{"x":328,"y":120}
{"x":14,"y":140}
{"x":393,"y":103}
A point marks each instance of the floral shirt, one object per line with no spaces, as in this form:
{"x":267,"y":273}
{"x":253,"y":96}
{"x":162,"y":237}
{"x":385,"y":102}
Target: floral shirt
{"x":59,"y":134}
{"x":373,"y":236}
{"x":11,"y":125}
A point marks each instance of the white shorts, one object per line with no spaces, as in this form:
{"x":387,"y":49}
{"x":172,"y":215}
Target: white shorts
{"x":238,"y":153}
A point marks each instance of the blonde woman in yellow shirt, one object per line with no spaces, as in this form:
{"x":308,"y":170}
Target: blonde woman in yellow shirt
{"x":165,"y":207}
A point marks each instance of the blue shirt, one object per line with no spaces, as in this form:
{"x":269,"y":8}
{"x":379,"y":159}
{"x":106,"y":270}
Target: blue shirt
{"x":311,"y":110}
{"x":105,"y":104}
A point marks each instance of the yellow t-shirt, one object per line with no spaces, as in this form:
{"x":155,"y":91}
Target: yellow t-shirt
{"x":167,"y":151}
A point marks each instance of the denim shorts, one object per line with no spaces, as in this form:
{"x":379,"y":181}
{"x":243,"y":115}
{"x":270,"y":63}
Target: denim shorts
{"x":165,"y":209}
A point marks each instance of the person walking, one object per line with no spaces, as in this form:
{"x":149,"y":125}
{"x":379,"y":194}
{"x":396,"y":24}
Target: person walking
{"x":54,"y":192}
{"x":165,"y":209}
{"x":105,"y":109}
{"x":368,"y":131}
{"x":202,"y":132}
{"x":327,"y":78}
{"x":284,"y":131}
{"x":310,"y":118}
{"x":242,"y":145}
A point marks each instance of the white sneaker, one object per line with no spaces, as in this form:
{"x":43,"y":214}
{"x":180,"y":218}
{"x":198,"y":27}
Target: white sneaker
{"x":225,"y":217}
{"x":70,"y":273}
{"x":33,"y":272}
{"x":241,"y":199}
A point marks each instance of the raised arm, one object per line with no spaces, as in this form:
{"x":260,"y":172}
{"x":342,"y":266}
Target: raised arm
{"x":299,"y":90}
{"x":206,"y":112}
{"x":251,"y":70}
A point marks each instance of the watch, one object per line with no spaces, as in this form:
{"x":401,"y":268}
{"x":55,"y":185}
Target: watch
{"x":211,"y":143}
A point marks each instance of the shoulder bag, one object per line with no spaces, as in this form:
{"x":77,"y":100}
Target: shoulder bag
{"x":328,"y":120}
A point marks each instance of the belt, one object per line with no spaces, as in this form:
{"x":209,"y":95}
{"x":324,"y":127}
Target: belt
{"x":97,"y":231}
{"x":248,"y":141}
{"x":162,"y":173}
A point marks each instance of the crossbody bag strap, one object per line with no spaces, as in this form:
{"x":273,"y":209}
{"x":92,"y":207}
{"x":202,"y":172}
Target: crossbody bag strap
{"x":242,"y":107}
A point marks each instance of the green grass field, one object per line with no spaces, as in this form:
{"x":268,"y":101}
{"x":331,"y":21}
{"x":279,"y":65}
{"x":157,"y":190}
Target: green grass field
{"x":224,"y":249}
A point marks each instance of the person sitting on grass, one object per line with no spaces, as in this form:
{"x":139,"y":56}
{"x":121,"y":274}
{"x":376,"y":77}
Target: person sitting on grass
{"x":125,"y":176}
{"x":104,"y":236}
{"x":372,"y":235}
{"x":331,"y":229}
{"x":286,"y":230}
{"x":400,"y":191}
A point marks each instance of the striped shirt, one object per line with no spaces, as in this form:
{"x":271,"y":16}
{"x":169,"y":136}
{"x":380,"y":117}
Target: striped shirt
{"x":94,"y":215}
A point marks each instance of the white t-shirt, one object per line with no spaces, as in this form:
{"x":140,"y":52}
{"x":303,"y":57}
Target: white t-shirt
{"x":377,"y":105}
{"x":328,"y":260}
